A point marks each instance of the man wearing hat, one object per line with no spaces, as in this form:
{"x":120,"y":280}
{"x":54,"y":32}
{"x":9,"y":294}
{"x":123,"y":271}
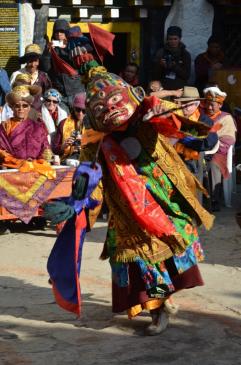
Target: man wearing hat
{"x":31,"y":59}
{"x":226,"y":135}
{"x":172,"y":64}
{"x":189,"y":148}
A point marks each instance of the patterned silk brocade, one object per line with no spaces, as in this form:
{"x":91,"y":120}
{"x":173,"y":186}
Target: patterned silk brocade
{"x":130,"y":239}
{"x":172,"y":165}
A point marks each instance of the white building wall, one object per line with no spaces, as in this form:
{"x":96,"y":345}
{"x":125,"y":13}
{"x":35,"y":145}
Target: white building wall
{"x":27,"y":18}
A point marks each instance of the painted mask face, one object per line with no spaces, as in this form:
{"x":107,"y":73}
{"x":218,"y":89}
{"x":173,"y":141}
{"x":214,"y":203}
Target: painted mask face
{"x":111,"y":108}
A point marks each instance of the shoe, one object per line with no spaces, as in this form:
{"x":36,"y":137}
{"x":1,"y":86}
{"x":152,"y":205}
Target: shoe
{"x":170,"y":307}
{"x":4,"y":230}
{"x":158,"y":325}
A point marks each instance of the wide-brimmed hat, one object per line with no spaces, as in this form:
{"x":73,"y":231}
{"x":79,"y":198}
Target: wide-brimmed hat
{"x":32,"y":51}
{"x":190,"y":93}
{"x":22,"y":92}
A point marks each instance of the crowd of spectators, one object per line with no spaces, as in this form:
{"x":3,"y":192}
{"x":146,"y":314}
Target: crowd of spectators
{"x":42,"y":99}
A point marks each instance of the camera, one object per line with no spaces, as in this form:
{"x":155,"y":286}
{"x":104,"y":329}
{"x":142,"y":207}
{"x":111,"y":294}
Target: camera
{"x":169,"y":60}
{"x":75,"y":135}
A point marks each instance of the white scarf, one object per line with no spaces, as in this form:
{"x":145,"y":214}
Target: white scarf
{"x":48,"y":120}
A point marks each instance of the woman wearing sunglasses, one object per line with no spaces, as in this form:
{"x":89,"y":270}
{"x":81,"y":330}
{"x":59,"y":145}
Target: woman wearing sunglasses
{"x":52,"y":111}
{"x":67,"y":141}
{"x":21,"y":138}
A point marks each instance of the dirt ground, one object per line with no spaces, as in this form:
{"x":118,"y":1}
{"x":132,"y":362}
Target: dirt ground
{"x":33,"y":330}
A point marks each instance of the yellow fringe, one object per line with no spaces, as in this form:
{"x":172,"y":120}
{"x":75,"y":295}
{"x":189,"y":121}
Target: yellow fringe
{"x":96,"y":70}
{"x":148,"y":305}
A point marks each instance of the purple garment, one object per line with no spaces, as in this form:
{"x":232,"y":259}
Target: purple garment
{"x":45,"y":83}
{"x":27,"y":140}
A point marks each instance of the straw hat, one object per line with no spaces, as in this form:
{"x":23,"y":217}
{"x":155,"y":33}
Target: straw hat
{"x":189,"y":93}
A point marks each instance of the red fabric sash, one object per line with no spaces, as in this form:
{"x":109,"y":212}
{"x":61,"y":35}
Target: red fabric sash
{"x":61,"y":66}
{"x":145,"y":210}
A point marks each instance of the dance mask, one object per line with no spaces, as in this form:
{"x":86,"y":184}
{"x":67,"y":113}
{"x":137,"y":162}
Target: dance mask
{"x":111,"y":102}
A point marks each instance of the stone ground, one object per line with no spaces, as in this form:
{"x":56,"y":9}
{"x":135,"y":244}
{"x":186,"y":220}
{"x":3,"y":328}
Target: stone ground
{"x":33,"y":330}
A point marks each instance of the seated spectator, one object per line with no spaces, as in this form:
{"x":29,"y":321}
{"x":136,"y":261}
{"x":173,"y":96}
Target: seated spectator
{"x":21,"y":79}
{"x":172,"y":63}
{"x":155,"y":88}
{"x":226,"y":135}
{"x":207,"y":62}
{"x":130,"y":74}
{"x":189,"y":148}
{"x":22,"y":139}
{"x":31,"y":58}
{"x":66,"y":142}
{"x":52,"y":112}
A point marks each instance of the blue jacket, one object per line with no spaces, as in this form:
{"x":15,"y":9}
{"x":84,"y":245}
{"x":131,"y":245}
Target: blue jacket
{"x":5,"y":86}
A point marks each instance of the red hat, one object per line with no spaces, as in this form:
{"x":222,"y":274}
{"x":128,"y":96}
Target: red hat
{"x":79,"y":101}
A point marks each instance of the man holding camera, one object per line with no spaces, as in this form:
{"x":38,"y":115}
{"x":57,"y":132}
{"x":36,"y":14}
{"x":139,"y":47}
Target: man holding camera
{"x":172,"y":64}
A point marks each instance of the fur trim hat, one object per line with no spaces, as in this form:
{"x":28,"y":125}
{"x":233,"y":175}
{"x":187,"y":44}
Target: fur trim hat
{"x":22,"y":92}
{"x":22,"y":79}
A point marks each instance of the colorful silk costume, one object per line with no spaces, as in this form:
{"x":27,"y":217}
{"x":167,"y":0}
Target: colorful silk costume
{"x":142,"y":261}
{"x":144,"y":182}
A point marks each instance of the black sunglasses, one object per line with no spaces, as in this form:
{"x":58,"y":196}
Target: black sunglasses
{"x":23,"y":106}
{"x":78,"y":110}
{"x":52,"y":101}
